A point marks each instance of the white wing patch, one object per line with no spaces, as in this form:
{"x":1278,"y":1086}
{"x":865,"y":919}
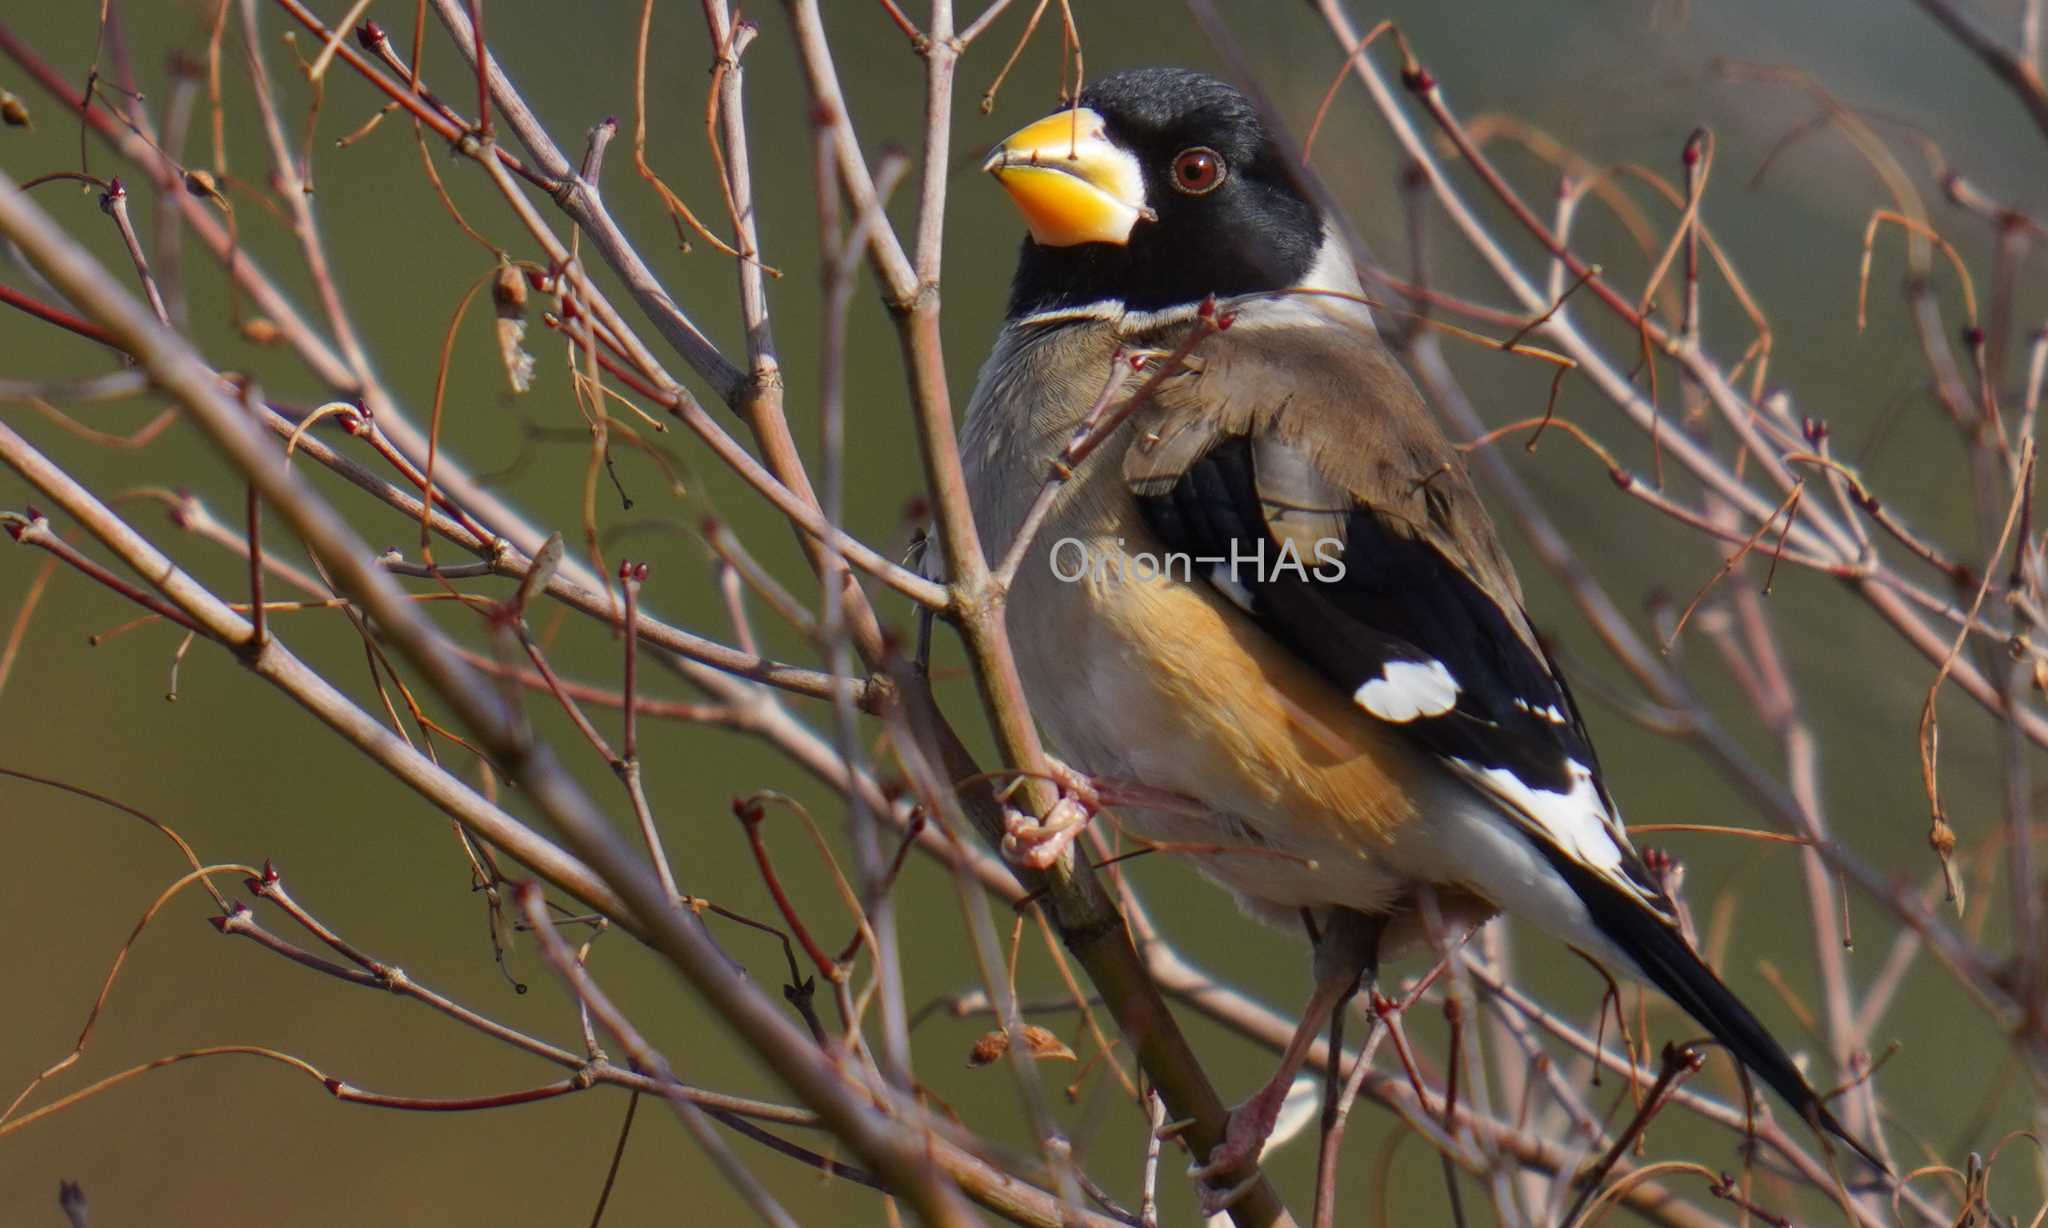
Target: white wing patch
{"x":1406,"y":690}
{"x":1547,"y":712}
{"x":1576,"y":822}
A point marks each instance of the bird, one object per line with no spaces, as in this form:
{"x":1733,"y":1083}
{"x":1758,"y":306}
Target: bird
{"x":1266,"y":618}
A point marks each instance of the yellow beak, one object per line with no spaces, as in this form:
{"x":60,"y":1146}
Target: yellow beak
{"x":1072,"y":184}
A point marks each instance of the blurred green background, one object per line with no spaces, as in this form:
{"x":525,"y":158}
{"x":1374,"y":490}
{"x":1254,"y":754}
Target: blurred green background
{"x":244,"y":775}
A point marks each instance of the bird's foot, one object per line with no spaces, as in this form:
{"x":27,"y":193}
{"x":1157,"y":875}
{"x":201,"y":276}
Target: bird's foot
{"x":1036,"y":843}
{"x":1236,"y":1158}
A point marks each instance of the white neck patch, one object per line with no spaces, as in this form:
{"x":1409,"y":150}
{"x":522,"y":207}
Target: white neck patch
{"x":1334,"y":296}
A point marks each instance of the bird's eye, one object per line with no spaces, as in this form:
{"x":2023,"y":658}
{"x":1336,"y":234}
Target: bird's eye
{"x":1198,"y":171}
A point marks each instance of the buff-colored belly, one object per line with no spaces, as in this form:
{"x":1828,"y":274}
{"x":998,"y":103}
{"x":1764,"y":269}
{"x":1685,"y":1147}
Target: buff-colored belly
{"x":1162,"y":683}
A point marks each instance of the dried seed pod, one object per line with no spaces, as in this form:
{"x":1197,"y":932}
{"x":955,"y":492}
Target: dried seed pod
{"x":1043,"y":1046}
{"x":989,"y":1048}
{"x":508,"y":295}
{"x":1039,"y":1044}
{"x":201,"y":183}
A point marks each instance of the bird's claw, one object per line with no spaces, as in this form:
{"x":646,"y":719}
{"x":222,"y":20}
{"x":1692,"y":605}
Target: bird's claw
{"x":1244,"y":1137}
{"x":1038,"y":843}
{"x":1216,"y":1200}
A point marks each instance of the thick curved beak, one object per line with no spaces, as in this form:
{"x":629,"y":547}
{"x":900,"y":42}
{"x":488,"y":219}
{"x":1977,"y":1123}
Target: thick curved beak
{"x":1070,"y":181}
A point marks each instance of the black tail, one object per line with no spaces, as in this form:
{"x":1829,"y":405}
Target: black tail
{"x":1671,"y":964}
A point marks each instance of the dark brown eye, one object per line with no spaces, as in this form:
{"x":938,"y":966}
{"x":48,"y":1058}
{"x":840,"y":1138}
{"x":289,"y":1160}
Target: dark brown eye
{"x":1198,"y":171}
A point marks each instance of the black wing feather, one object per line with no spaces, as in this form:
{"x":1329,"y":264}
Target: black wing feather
{"x":1398,"y":599}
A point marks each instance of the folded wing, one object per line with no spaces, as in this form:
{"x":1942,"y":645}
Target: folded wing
{"x":1352,"y":536}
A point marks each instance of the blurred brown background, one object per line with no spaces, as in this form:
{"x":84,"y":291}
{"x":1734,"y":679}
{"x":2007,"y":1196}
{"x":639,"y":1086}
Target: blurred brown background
{"x":244,"y":775}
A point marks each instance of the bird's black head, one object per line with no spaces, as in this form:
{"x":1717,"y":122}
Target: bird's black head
{"x":1161,"y":188}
